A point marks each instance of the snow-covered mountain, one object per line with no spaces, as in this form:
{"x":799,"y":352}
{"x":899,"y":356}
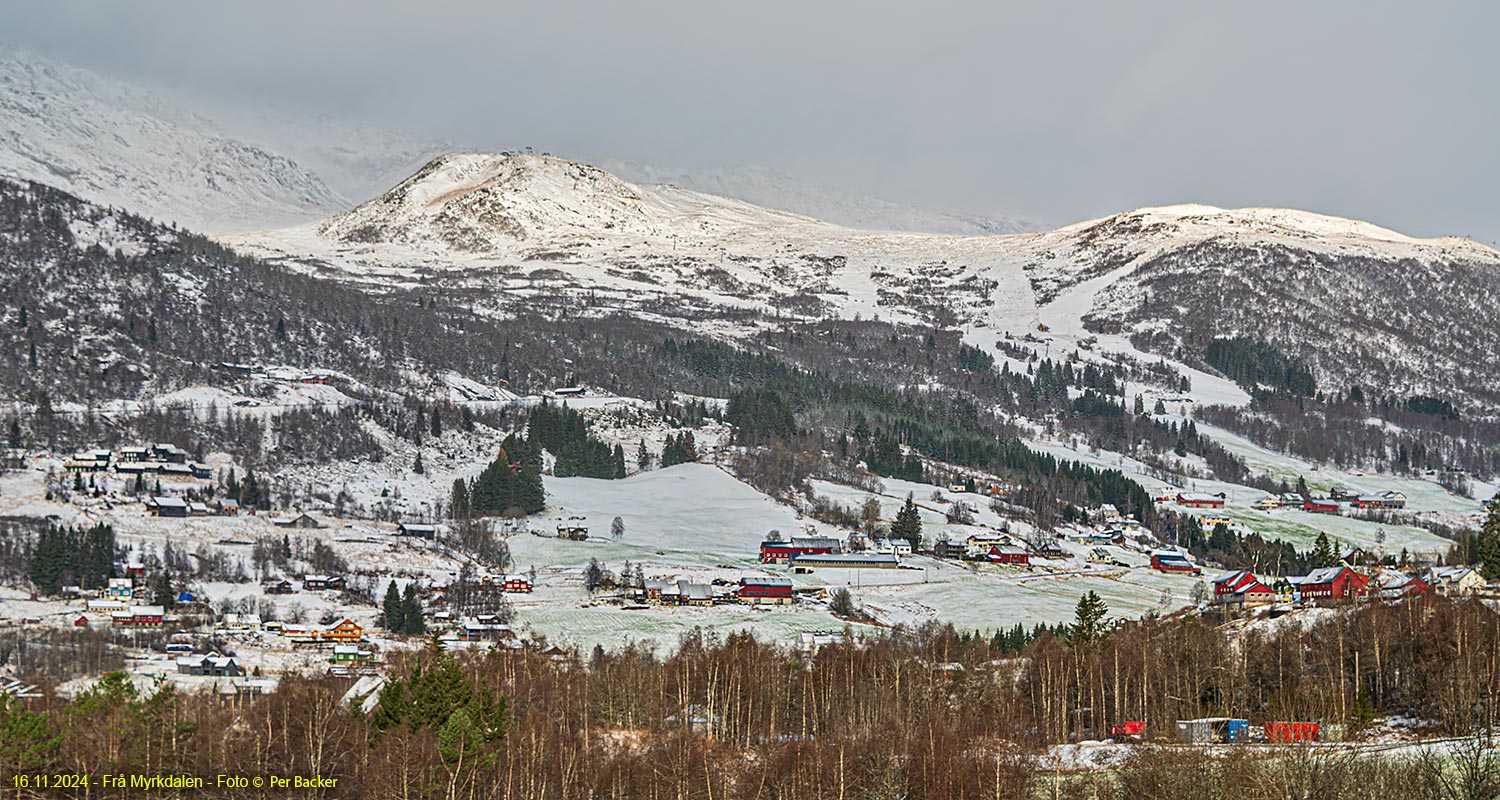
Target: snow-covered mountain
{"x":540,"y":225}
{"x":112,"y":143}
{"x":769,"y":188}
{"x":1153,"y":282}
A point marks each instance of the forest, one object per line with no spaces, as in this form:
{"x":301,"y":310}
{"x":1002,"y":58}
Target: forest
{"x":908,"y":713}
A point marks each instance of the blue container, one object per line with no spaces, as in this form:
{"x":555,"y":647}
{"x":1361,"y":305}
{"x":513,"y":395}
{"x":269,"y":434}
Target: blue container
{"x":1238,"y":730}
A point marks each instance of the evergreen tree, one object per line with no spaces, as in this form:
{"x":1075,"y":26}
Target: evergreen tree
{"x":23,"y":321}
{"x":1088,"y":619}
{"x":619,"y":461}
{"x":14,"y":437}
{"x":458,"y":500}
{"x":1323,"y":554}
{"x":411,"y":611}
{"x":417,"y":466}
{"x":437,"y":424}
{"x":394,"y":619}
{"x":908,"y":524}
{"x":1487,"y":549}
{"x":642,"y":455}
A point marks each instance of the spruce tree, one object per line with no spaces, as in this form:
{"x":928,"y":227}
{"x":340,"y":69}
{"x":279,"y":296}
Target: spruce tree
{"x":1088,"y":619}
{"x":411,"y":611}
{"x":395,"y":622}
{"x":619,"y":461}
{"x":417,"y":467}
{"x":437,"y":424}
{"x":908,"y":524}
{"x":1323,"y":554}
{"x":15,"y":434}
{"x":1487,"y":552}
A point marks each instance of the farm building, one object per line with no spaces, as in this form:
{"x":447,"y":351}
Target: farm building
{"x":1320,"y":506}
{"x":227,"y":508}
{"x":1382,"y":500}
{"x":304,"y":521}
{"x":138,"y":616}
{"x":784,"y":552}
{"x":845,"y":561}
{"x":313,"y":583}
{"x":1330,"y":583}
{"x":1231,"y":582}
{"x":1009,"y":554}
{"x":1392,"y":585}
{"x":1200,"y":500}
{"x":166,"y":507}
{"x":765,"y":591}
{"x":1173,"y":561}
{"x":421,"y":530}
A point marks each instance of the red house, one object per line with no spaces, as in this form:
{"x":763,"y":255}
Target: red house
{"x":1320,"y":506}
{"x":767,"y":590}
{"x":1200,"y":500}
{"x":516,"y":583}
{"x":1010,"y":555}
{"x":1331,"y":583}
{"x":782,"y":552}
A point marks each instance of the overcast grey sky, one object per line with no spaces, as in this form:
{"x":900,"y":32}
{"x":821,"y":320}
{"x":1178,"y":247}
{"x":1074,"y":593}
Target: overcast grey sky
{"x":1055,"y":110}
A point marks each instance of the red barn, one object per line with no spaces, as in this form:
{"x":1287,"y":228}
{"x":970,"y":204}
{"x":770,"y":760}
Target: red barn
{"x":1232,"y":582}
{"x":1010,"y":555}
{"x":782,"y":552}
{"x":1170,"y":561}
{"x":1320,"y":506}
{"x":769,"y":590}
{"x":1331,"y":583}
{"x":1200,"y":500}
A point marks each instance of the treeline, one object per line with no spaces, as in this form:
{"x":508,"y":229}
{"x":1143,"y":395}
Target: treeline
{"x":889,"y":430}
{"x":565,"y":433}
{"x":511,"y":485}
{"x":69,"y":556}
{"x":1234,"y":550}
{"x":1260,"y":367}
{"x":925,"y":713}
{"x":1339,"y":430}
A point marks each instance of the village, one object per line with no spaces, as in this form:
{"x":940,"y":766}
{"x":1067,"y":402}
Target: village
{"x":573,"y":580}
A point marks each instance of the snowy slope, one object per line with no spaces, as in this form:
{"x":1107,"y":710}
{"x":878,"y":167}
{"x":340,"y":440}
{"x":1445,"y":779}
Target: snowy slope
{"x":116,"y":145}
{"x":766,"y":187}
{"x":529,"y":228}
{"x":535,"y":225}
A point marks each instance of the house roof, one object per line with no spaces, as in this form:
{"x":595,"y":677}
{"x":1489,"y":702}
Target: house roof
{"x":760,"y":580}
{"x":1199,"y":497}
{"x":168,"y":502}
{"x":1233,"y":578}
{"x":696,"y":591}
{"x":1317,"y":576}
